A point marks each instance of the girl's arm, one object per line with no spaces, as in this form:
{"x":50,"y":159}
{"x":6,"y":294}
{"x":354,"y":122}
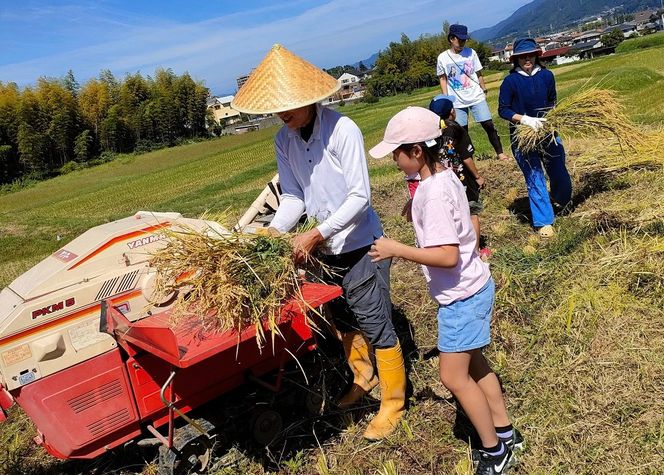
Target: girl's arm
{"x":437,"y":256}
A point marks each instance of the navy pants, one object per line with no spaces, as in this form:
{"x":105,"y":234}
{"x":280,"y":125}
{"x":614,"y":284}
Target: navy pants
{"x":365,"y":304}
{"x":549,"y":158}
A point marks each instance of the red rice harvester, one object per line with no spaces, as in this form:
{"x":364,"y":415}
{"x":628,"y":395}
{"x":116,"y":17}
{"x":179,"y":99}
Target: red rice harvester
{"x":94,"y":364}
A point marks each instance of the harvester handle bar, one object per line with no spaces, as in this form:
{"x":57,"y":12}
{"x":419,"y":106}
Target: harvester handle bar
{"x":171,"y":407}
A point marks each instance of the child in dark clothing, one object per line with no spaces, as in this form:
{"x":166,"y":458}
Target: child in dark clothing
{"x":457,"y":150}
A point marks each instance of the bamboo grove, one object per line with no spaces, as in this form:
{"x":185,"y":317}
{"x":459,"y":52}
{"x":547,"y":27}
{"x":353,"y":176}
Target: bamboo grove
{"x":58,"y":125}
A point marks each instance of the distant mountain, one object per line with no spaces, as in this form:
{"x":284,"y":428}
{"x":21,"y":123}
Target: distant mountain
{"x":544,"y":16}
{"x":369,"y":62}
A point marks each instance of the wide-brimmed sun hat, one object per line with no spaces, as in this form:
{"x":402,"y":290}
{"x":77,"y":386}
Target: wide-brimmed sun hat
{"x":524,"y":46}
{"x":281,"y":82}
{"x":411,"y":125}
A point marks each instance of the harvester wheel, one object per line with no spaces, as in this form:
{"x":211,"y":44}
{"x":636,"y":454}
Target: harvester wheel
{"x":192,"y":453}
{"x":265,"y":425}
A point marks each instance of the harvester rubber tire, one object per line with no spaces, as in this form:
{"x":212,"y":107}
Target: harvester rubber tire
{"x":193,"y":451}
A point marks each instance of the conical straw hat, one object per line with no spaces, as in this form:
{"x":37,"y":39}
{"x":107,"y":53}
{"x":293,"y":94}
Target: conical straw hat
{"x":281,"y":82}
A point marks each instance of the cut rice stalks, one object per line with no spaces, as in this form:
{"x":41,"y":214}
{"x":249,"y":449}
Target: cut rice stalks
{"x":591,"y":112}
{"x":611,"y":156}
{"x":229,"y":281}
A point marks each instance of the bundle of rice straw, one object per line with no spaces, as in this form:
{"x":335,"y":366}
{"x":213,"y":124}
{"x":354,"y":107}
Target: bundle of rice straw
{"x":611,"y":156}
{"x":589,"y":112}
{"x":228,"y":281}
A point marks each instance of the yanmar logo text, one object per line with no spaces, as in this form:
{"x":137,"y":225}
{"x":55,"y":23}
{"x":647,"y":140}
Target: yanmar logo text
{"x":54,"y":307}
{"x":145,"y":241}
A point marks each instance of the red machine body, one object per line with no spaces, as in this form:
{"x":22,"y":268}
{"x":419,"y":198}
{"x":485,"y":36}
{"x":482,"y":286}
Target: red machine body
{"x":96,"y":405}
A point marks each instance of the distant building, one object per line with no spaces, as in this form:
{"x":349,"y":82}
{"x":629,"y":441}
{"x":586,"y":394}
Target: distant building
{"x":352,"y":88}
{"x":628,"y":29}
{"x":587,"y":37}
{"x":558,"y":56}
{"x":222,"y":110}
{"x":241,"y":80}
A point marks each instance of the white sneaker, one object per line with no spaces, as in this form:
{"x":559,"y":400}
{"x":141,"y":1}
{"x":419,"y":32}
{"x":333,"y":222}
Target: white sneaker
{"x":546,"y":231}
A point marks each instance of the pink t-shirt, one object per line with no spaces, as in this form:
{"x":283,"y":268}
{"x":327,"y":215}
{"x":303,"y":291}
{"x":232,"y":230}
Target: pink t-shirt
{"x":441,"y":216}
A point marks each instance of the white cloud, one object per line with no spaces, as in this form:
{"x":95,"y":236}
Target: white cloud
{"x":222,"y":48}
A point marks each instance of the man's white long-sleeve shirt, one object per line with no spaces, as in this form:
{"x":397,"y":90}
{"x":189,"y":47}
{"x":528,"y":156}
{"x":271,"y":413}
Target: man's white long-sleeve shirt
{"x":327,"y":177}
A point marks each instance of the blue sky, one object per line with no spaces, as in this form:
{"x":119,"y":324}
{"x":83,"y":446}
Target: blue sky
{"x":214,"y":40}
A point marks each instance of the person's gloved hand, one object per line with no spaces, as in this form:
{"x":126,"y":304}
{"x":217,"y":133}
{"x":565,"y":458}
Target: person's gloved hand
{"x":532,"y":122}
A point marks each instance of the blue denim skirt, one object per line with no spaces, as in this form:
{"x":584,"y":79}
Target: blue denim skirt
{"x":465,"y":324}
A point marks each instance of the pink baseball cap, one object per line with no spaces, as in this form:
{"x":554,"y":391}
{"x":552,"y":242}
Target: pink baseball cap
{"x":411,"y":125}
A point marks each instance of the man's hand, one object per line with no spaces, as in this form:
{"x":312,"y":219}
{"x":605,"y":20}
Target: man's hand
{"x":481,"y":182}
{"x":384,"y":248}
{"x":304,"y":244}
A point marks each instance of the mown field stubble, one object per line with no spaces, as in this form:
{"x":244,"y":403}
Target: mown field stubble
{"x":578,"y":332}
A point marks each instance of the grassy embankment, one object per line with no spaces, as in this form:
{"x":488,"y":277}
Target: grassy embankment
{"x":578,"y":335}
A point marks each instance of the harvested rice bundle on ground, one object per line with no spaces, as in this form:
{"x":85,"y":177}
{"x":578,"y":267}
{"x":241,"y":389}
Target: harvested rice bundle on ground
{"x":589,"y":112}
{"x":228,"y":281}
{"x":611,"y":156}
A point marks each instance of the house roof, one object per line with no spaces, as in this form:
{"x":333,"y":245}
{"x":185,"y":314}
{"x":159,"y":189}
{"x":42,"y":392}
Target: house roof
{"x":584,"y":46}
{"x":225,"y":99}
{"x":589,"y":34}
{"x":348,"y":75}
{"x":643,"y":17}
{"x":552,"y":53}
{"x":627,"y":26}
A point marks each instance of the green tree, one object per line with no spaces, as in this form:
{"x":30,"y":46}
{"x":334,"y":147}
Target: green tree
{"x":59,"y":108}
{"x":94,"y":101}
{"x":33,"y":142}
{"x":10,"y":98}
{"x":83,"y":146}
{"x":612,"y":38}
{"x":71,"y":84}
{"x":7,"y":164}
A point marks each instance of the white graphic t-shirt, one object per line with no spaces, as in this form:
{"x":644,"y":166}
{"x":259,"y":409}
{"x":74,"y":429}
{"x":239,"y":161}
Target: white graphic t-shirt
{"x":462,"y":81}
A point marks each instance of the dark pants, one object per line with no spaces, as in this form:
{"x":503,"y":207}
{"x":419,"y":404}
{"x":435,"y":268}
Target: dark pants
{"x":365,"y":304}
{"x":492,"y":134}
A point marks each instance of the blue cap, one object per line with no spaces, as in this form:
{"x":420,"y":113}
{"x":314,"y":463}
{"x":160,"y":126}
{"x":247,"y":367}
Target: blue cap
{"x":460,"y":31}
{"x":442,"y":105}
{"x":526,"y":45}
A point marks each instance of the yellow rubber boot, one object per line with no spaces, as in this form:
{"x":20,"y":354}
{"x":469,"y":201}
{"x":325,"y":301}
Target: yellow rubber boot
{"x":358,"y":351}
{"x":392,"y":375}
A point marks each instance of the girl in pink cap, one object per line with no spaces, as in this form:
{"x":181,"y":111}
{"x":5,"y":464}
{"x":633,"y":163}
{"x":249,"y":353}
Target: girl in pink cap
{"x":459,"y":281}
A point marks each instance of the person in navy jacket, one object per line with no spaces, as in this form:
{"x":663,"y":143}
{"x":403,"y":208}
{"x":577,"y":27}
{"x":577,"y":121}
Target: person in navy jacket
{"x":526,"y":94}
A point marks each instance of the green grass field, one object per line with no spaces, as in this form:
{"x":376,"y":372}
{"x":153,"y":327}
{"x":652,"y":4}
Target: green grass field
{"x":578,"y":336}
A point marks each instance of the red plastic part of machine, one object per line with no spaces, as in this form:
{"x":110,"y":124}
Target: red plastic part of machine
{"x":101,"y":403}
{"x":83,"y":410}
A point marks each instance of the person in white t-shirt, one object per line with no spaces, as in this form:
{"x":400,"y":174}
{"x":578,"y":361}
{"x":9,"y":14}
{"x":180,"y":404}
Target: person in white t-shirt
{"x":459,"y":281}
{"x":460,"y":73}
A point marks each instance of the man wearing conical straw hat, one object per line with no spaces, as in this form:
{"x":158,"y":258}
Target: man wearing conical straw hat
{"x":323,"y":172}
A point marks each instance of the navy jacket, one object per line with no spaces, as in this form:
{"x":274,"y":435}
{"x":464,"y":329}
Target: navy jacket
{"x":530,"y":95}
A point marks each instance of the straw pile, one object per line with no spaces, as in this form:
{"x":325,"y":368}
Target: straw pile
{"x":612,"y":156}
{"x":588,"y":113}
{"x":227,"y":281}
